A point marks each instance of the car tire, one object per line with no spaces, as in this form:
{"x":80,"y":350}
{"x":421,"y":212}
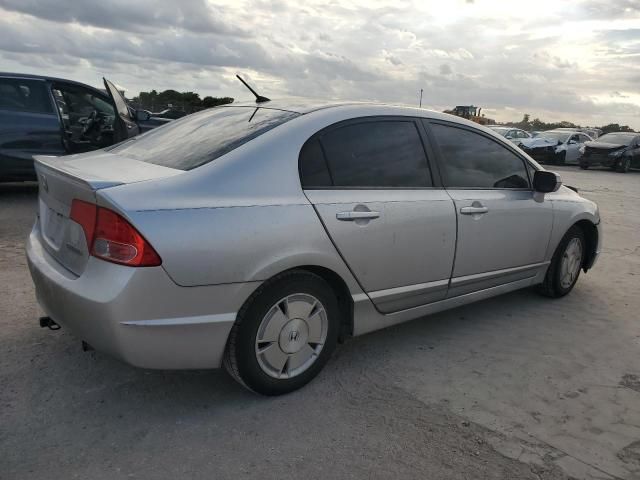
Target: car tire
{"x":560,"y":159}
{"x":565,"y":266}
{"x":294,"y":344}
{"x":625,"y":165}
{"x":584,"y":166}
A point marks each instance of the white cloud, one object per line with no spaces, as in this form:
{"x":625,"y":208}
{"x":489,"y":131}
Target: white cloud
{"x":558,"y":60}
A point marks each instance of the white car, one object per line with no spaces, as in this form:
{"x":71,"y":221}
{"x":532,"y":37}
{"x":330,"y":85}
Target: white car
{"x":514,"y":135}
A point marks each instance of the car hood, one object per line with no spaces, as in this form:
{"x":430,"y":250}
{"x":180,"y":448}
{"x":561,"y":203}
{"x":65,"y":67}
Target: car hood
{"x":538,"y":142}
{"x":604,"y":145}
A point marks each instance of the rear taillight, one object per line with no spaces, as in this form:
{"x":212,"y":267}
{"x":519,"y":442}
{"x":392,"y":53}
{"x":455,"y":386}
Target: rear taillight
{"x":111,"y":237}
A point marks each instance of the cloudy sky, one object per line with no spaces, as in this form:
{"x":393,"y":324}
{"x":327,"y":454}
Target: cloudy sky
{"x":575,"y":60}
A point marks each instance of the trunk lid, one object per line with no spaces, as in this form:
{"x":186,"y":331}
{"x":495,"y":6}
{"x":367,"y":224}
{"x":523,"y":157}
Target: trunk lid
{"x":62,"y":179}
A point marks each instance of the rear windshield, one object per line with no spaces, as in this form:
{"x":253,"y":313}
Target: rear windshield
{"x":201,"y":137}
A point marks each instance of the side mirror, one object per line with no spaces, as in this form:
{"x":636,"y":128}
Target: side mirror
{"x":508,"y":137}
{"x":572,"y":142}
{"x":546,"y":182}
{"x":142,"y":115}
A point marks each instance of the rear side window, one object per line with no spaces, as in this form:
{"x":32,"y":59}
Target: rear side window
{"x":201,"y":137}
{"x":471,"y":160}
{"x":313,"y":166}
{"x":24,"y":95}
{"x":372,"y":154}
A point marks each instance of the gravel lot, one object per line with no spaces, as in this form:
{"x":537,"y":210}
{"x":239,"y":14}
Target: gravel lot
{"x":515,"y":387}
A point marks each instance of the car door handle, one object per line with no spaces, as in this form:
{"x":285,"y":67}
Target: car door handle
{"x":351,"y":216}
{"x":473,"y":210}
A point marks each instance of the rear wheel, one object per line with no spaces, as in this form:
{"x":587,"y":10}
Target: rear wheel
{"x":284,"y":334}
{"x":565,"y":266}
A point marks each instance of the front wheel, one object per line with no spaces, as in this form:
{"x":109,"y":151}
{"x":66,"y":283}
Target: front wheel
{"x":284,"y":334}
{"x":565,"y":266}
{"x":561,"y":158}
{"x":625,"y":165}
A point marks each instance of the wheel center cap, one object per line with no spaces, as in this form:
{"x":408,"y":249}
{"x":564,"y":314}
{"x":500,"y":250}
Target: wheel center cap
{"x":293,"y":336}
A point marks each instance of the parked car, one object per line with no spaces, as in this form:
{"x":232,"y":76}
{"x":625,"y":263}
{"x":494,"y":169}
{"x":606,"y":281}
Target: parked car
{"x":51,"y":116}
{"x":515,"y":135}
{"x":257,"y":235}
{"x":592,"y":132}
{"x":555,"y":146}
{"x":619,"y":151}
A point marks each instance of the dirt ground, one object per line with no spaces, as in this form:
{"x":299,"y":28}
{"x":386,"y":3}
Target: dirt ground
{"x":515,"y":387}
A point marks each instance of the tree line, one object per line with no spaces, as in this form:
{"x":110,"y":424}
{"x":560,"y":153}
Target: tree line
{"x":187,"y":102}
{"x":536,"y":124}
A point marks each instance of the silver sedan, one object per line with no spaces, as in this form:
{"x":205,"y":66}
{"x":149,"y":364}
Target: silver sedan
{"x":257,"y":236}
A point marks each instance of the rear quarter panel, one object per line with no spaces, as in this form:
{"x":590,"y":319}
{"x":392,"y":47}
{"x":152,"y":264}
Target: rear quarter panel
{"x":209,"y":246}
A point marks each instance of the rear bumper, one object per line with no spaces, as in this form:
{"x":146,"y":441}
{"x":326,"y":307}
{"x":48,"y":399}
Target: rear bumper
{"x":138,"y":315}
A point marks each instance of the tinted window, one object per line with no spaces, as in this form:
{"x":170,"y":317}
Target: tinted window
{"x":201,"y":137}
{"x":471,"y":160}
{"x":24,"y":95}
{"x":383,"y":153}
{"x":313,"y":167}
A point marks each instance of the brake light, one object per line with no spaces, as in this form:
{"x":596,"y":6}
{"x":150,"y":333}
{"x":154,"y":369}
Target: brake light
{"x":111,"y":237}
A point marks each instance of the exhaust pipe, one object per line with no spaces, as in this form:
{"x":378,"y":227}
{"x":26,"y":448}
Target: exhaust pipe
{"x":47,"y":322}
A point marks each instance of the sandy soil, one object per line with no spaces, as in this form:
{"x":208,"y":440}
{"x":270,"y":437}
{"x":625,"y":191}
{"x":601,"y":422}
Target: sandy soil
{"x":515,"y":387}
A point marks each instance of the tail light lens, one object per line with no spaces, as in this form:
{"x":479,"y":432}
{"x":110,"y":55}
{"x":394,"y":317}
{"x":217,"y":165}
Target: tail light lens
{"x":111,"y":237}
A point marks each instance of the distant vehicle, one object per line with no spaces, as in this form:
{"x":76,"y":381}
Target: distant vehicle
{"x":514,"y":135}
{"x":470,"y":112}
{"x":254,"y":236}
{"x":555,"y":146}
{"x":592,"y":132}
{"x":52,"y":116}
{"x":619,"y":151}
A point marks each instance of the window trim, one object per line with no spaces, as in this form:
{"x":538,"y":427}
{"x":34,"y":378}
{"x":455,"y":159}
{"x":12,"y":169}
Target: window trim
{"x":427,"y":122}
{"x":428,"y":152}
{"x":52,"y":105}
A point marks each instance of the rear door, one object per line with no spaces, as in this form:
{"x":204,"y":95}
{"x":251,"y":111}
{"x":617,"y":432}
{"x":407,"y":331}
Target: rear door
{"x":371,"y":184}
{"x":124,"y":125}
{"x":29,"y":126}
{"x":503,"y":225}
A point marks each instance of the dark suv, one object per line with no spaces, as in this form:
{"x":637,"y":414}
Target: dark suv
{"x":51,"y":116}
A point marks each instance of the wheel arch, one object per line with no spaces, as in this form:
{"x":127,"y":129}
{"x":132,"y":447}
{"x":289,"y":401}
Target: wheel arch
{"x":337,"y":284}
{"x":590,"y":232}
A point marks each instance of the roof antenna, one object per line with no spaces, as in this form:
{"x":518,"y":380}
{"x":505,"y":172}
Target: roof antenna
{"x":259,"y":98}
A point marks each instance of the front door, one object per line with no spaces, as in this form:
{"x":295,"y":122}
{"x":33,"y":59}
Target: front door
{"x":573,"y":148}
{"x":370,"y":183}
{"x":124,"y":126}
{"x":503,"y":225}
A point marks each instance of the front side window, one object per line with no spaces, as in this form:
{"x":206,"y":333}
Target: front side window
{"x":371,"y":154}
{"x":24,"y":95}
{"x":201,"y":137}
{"x":471,"y":160}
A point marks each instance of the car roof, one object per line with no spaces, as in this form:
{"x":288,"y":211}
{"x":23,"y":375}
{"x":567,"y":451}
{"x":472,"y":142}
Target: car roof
{"x":29,"y":76}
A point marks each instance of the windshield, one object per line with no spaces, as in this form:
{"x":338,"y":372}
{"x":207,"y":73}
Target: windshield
{"x":618,"y":138}
{"x":201,"y":137}
{"x":557,"y":136}
{"x":501,"y":130}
